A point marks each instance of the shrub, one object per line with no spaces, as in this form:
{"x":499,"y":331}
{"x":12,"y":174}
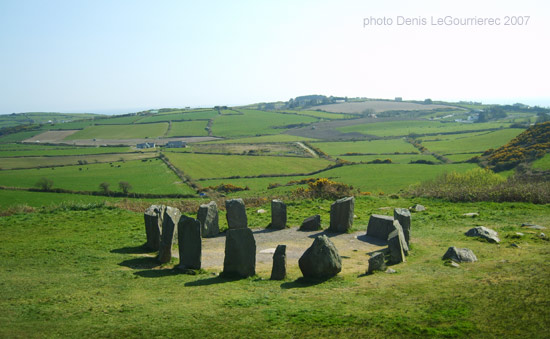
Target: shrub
{"x":104,"y":187}
{"x":324,"y":189}
{"x":44,"y":184}
{"x":125,"y":187}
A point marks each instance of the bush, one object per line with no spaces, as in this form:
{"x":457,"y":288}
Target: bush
{"x":324,"y":189}
{"x":44,"y":184}
{"x":125,"y":187}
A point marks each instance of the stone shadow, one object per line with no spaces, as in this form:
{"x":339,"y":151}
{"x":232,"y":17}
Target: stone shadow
{"x":211,"y":281}
{"x":140,"y":263}
{"x":372,"y":240}
{"x":324,"y":232}
{"x":141,"y":249}
{"x":302,"y":283}
{"x":157,"y":273}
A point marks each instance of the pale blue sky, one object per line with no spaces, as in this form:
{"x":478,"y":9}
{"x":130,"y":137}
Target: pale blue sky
{"x":123,"y":56}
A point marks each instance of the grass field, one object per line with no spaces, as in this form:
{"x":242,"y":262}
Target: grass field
{"x":13,"y":199}
{"x":134,"y":131}
{"x":404,"y":128}
{"x":39,"y":150}
{"x":17,"y":137}
{"x":32,"y":162}
{"x":542,"y":163}
{"x":252,"y":123}
{"x":372,"y":146}
{"x":180,"y":116}
{"x":323,"y":115}
{"x":262,"y":139}
{"x":472,"y":143}
{"x":461,"y":157}
{"x":395,"y":158}
{"x":117,"y":120}
{"x":200,"y":166}
{"x":88,"y":177}
{"x":188,"y":128}
{"x":90,"y":277}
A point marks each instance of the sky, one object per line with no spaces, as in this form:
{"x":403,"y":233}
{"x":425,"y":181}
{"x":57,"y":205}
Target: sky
{"x":121,"y":56}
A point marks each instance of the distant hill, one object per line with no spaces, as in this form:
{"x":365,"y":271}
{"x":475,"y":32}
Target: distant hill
{"x":530,"y":145}
{"x":29,"y":118}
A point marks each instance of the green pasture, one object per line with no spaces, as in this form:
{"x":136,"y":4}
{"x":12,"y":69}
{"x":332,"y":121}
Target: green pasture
{"x":135,"y":131}
{"x":323,"y":115}
{"x":9,"y":198}
{"x":257,"y":186}
{"x":57,"y":150}
{"x":542,"y":163}
{"x":472,"y":143}
{"x":88,"y":177}
{"x":68,"y":125}
{"x":17,"y":137}
{"x":261,"y":139}
{"x":187,"y":128}
{"x":32,"y":162}
{"x":395,"y":158}
{"x":252,"y":123}
{"x":221,"y":166}
{"x":421,"y":127}
{"x":461,"y":156}
{"x":180,"y":116}
{"x":115,"y":120}
{"x":91,"y":277}
{"x":371,"y":146}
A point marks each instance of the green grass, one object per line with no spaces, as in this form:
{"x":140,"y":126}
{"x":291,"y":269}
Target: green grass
{"x":10,"y":198}
{"x":543,"y":163}
{"x":398,"y":128}
{"x":32,"y":162}
{"x":323,"y":115}
{"x":220,"y":166}
{"x":461,"y":157}
{"x":469,"y":143}
{"x":90,"y":278}
{"x":118,"y":120}
{"x":395,"y":158}
{"x":41,"y":150}
{"x":257,"y":123}
{"x":188,"y":128}
{"x":262,"y":139}
{"x":373,"y":146}
{"x":17,"y":137}
{"x":88,"y":177}
{"x":134,"y":131}
{"x":257,"y":186}
{"x":180,"y":116}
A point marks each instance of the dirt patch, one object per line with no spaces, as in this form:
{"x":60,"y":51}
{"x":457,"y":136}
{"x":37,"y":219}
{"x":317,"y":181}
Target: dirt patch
{"x":51,"y":136}
{"x":378,"y":106}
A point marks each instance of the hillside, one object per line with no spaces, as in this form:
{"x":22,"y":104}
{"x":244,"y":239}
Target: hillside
{"x":528,"y":146}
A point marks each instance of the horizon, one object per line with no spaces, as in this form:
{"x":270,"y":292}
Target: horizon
{"x":123,"y":57}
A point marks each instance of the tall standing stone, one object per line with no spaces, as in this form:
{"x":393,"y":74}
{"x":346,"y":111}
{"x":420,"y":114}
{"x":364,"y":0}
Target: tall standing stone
{"x":240,"y":253}
{"x":341,"y":215}
{"x":169,"y":224}
{"x":278,"y":271}
{"x":403,"y":215}
{"x":153,"y":225}
{"x":395,"y":245}
{"x":278,"y":215}
{"x":189,"y":242}
{"x":380,"y":226}
{"x":236,"y":214}
{"x":208,"y":217}
{"x":404,"y":246}
{"x":321,"y":260}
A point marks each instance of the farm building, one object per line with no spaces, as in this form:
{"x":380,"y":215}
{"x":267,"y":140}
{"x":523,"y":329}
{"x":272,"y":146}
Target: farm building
{"x":146,"y":145}
{"x":176,"y":144}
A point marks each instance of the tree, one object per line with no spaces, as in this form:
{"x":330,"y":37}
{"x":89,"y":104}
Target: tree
{"x":44,"y":184}
{"x":104,"y":187}
{"x":125,"y":187}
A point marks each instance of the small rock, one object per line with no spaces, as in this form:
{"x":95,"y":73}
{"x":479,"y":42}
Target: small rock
{"x":312,"y":223}
{"x":417,"y":208}
{"x":514,"y":245}
{"x":460,"y":255}
{"x":542,"y":235}
{"x":485,"y":233}
{"x":385,"y":208}
{"x":261,"y":211}
{"x":354,"y":216}
{"x":391,"y":271}
{"x":533,"y":226}
{"x":454,"y":264}
{"x":377,"y":262}
{"x":268,"y":251}
{"x":471,"y":214}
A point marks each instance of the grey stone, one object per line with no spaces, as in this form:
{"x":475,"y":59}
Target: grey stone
{"x":190,"y":243}
{"x":153,"y":225}
{"x":417,"y":208}
{"x":209,"y":219}
{"x":533,"y":226}
{"x":311,"y":224}
{"x":380,"y":226}
{"x":404,"y":217}
{"x":483,"y":232}
{"x":278,"y":271}
{"x":404,"y":246}
{"x":341,"y":215}
{"x":236,"y":214}
{"x":240,"y":253}
{"x":514,"y":245}
{"x":471,"y":214}
{"x":391,"y":271}
{"x":377,"y":262}
{"x":321,"y":260}
{"x":169,"y":224}
{"x":454,"y":264}
{"x":459,"y":255}
{"x":278,"y":215}
{"x":395,"y":245}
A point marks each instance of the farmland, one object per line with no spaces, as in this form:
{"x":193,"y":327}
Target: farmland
{"x":136,"y":131}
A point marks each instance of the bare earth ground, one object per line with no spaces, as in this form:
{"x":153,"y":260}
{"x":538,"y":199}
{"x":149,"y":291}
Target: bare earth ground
{"x":378,"y":106}
{"x":352,"y":247}
{"x":57,"y":137}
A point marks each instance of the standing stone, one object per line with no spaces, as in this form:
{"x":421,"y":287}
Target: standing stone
{"x":377,"y":262}
{"x":321,"y":260}
{"x":189,"y":242}
{"x":169,"y":224}
{"x":278,"y":215}
{"x":399,"y":229}
{"x":311,"y":224}
{"x":404,"y":217}
{"x":240,"y":253}
{"x":459,"y":255}
{"x":485,"y":233}
{"x":278,"y":271}
{"x":153,"y":225}
{"x":341,"y":215}
{"x":236,"y":214}
{"x":380,"y":226}
{"x":395,"y":245}
{"x":208,"y":217}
